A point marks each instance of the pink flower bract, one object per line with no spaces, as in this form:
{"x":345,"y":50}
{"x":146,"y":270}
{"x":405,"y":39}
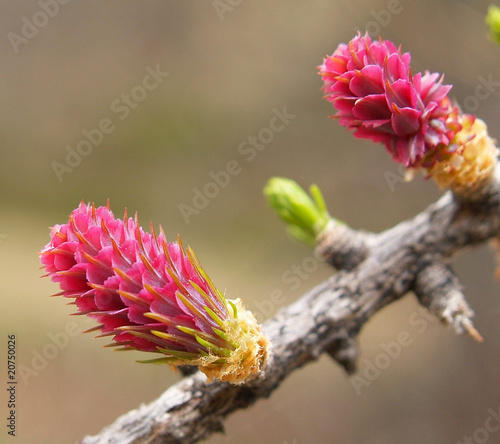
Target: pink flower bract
{"x":371,"y":85}
{"x":147,"y":293}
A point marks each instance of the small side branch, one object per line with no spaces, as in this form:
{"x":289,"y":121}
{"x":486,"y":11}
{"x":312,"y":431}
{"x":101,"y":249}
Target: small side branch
{"x":341,"y":246}
{"x":439,"y":290}
{"x":345,"y":352}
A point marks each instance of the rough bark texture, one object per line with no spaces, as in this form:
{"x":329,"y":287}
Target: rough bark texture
{"x":375,"y":270}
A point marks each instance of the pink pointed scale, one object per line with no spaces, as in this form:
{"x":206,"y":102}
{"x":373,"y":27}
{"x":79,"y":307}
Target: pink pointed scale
{"x":368,"y":80}
{"x":405,"y":121}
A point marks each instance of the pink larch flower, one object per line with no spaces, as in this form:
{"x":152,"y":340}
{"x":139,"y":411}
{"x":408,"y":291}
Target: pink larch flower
{"x":372,"y":87}
{"x":151,"y":295}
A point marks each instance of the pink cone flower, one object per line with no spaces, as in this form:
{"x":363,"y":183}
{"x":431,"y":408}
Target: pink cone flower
{"x":150,"y":295}
{"x":375,"y":94}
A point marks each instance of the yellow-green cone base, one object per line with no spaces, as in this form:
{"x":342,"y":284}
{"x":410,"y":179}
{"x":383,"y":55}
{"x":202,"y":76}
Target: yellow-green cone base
{"x":248,"y":358}
{"x":473,"y":166}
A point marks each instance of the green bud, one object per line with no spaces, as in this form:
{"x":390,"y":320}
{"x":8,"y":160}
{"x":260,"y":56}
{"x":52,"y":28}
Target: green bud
{"x":306,"y":215}
{"x":493,"y":21}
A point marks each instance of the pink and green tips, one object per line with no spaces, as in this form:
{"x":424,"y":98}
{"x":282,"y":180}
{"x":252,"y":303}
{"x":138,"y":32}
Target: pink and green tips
{"x":151,"y":295}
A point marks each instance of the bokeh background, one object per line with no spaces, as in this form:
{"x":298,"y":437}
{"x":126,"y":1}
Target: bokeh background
{"x":230,"y":64}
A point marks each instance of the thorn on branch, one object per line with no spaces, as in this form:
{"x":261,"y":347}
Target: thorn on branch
{"x":439,"y":290}
{"x":187,"y":370}
{"x":345,"y":352}
{"x":341,"y":246}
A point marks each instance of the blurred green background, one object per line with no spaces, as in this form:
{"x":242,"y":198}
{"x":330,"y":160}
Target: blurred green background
{"x":230,"y":64}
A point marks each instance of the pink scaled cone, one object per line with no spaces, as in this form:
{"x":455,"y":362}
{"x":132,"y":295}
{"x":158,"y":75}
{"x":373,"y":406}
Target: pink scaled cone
{"x":151,"y":295}
{"x":371,"y":86}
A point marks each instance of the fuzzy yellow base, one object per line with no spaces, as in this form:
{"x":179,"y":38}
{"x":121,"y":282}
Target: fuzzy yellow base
{"x":248,"y":358}
{"x":472,"y":168}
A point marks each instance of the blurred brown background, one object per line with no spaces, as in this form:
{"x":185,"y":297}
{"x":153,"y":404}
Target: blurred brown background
{"x":230,"y":64}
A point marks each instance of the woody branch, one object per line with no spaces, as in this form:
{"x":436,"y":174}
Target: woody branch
{"x":374,"y":270}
